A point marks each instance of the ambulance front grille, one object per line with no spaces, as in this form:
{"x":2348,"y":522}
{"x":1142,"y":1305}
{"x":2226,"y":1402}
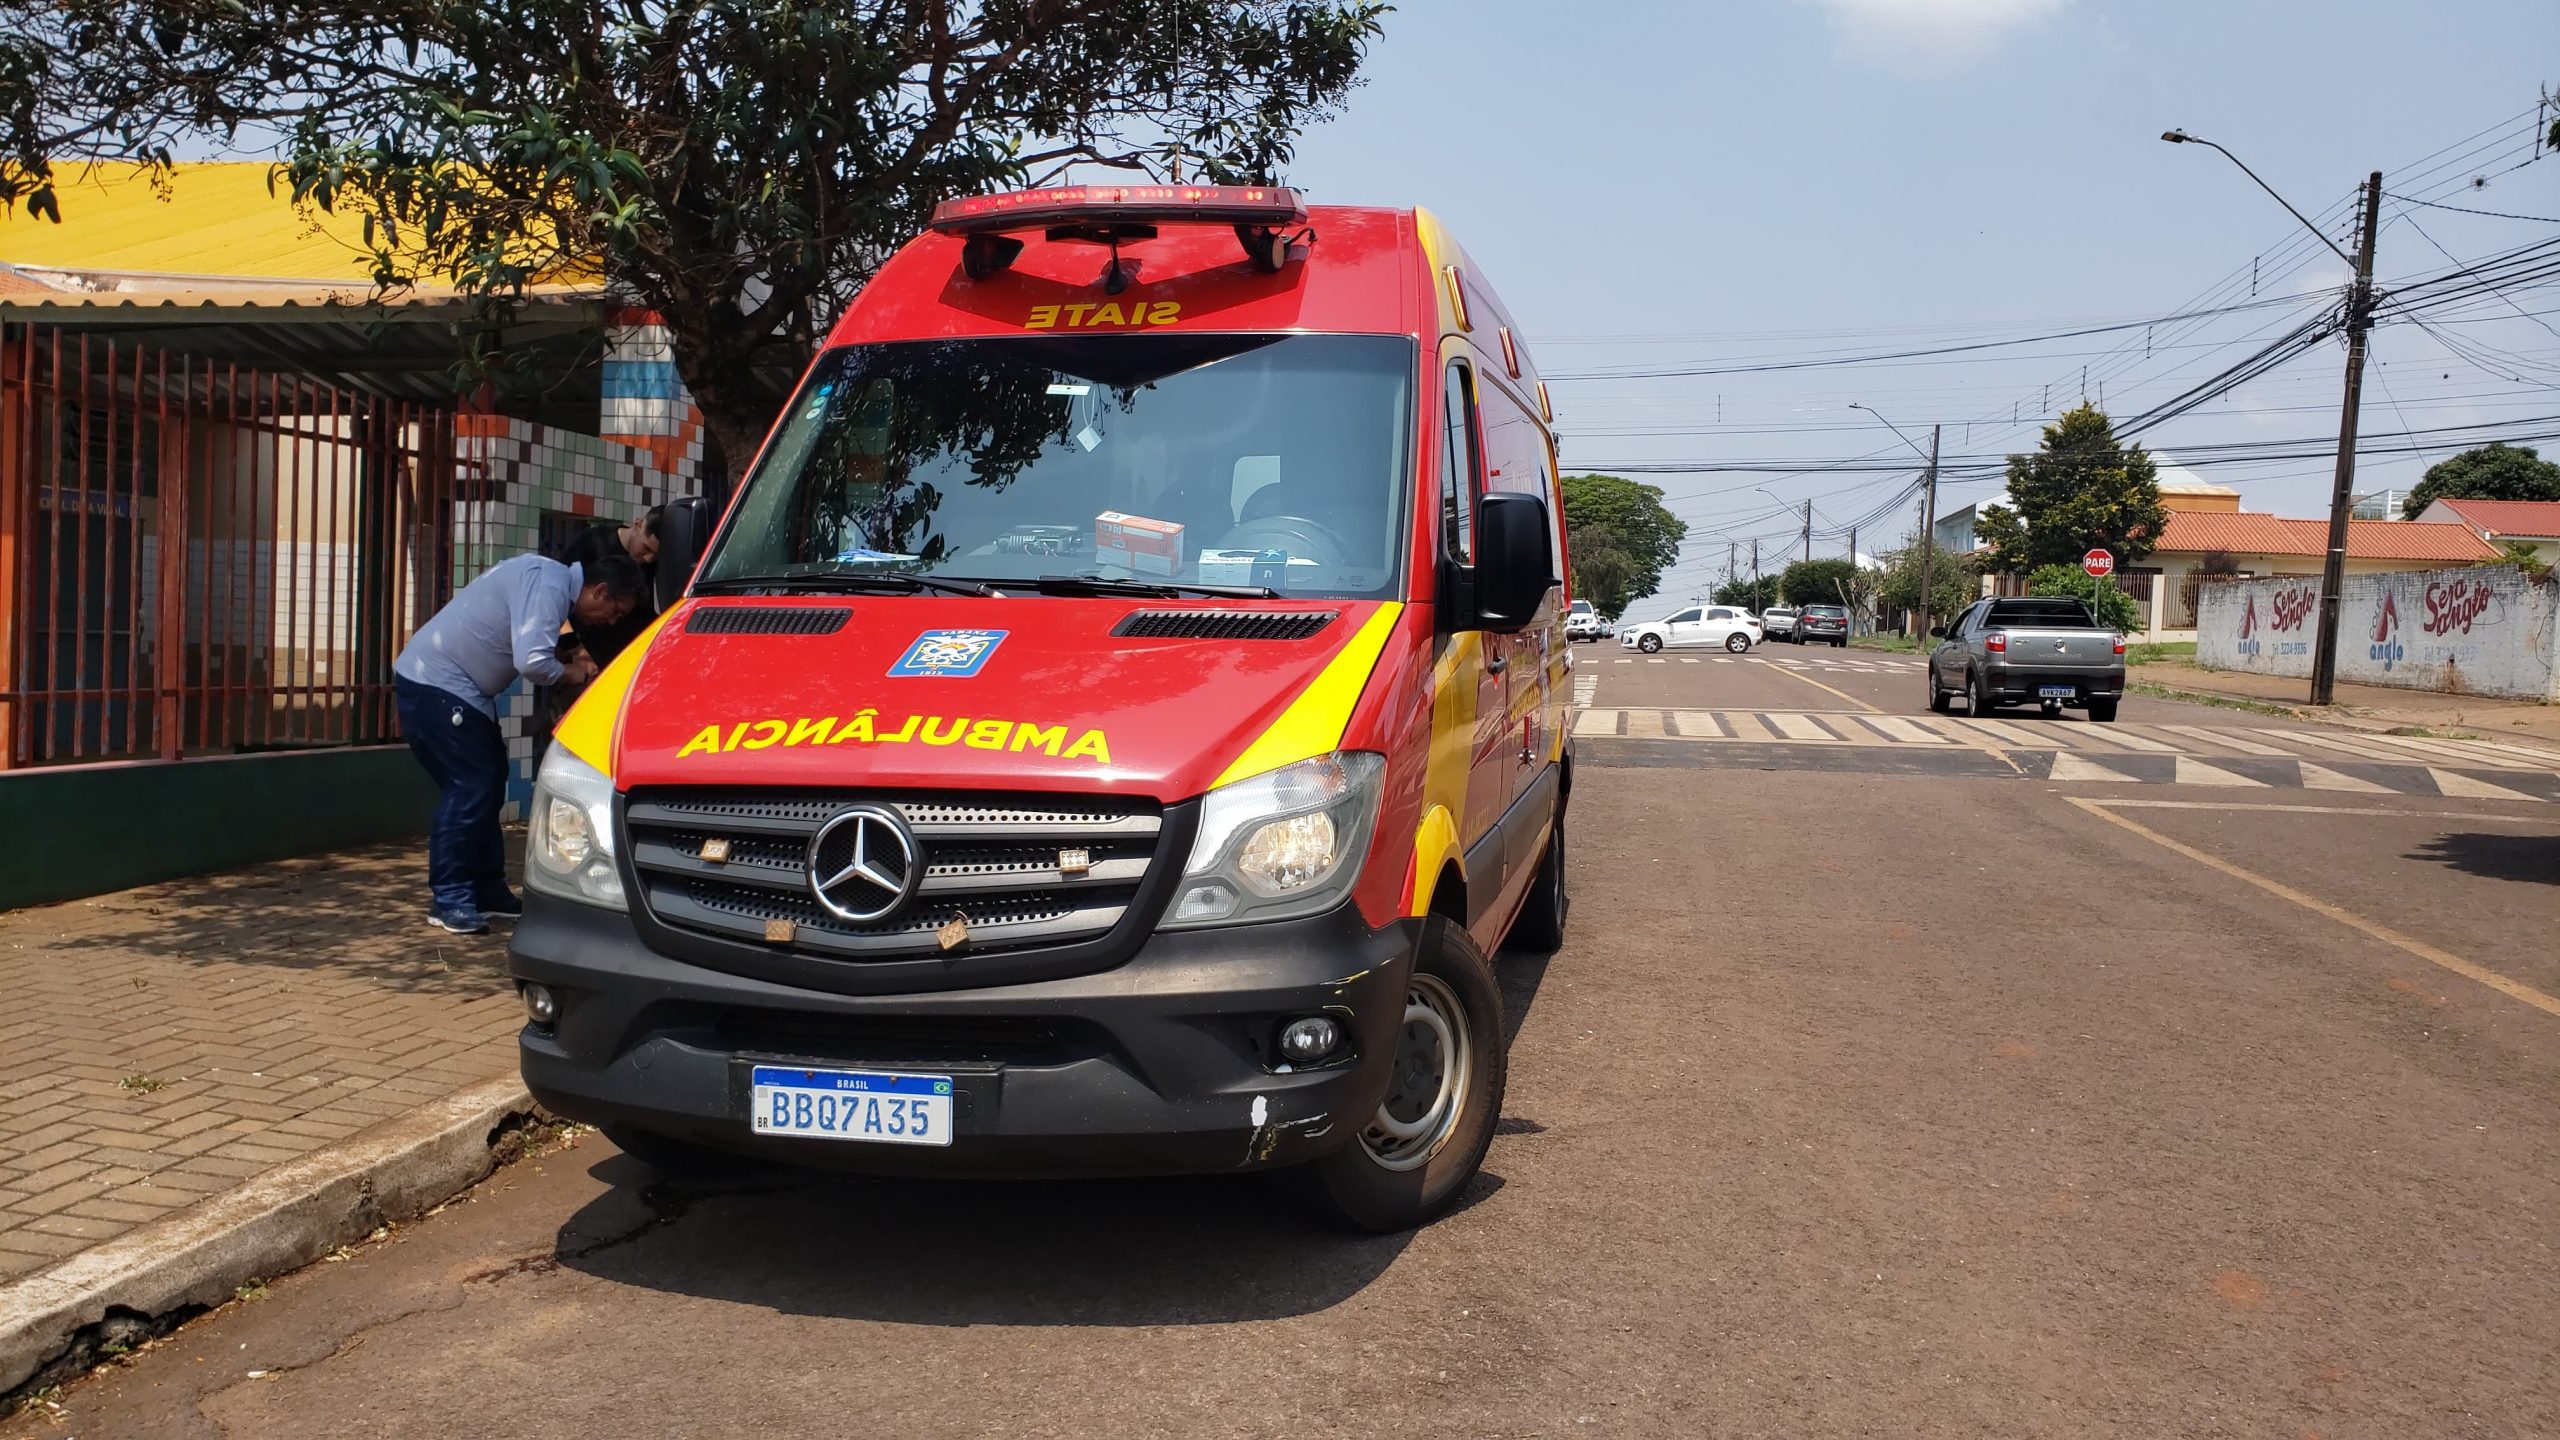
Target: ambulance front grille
{"x":1023,"y":871}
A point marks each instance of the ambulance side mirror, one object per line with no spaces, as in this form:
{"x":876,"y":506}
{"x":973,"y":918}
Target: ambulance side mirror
{"x":1515,"y":561}
{"x":684,"y":527}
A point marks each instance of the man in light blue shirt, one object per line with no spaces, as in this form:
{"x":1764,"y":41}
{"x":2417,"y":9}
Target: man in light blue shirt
{"x":504,"y":624}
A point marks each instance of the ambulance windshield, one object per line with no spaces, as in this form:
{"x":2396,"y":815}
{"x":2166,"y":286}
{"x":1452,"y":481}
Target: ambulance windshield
{"x":1282,"y":462}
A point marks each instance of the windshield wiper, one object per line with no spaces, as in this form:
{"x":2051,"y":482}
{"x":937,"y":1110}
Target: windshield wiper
{"x":880,"y":582}
{"x":1149,"y":589}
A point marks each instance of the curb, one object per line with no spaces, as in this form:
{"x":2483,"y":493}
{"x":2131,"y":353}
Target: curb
{"x":266,"y":1227}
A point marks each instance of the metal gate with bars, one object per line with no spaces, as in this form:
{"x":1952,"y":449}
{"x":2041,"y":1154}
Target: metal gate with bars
{"x":199,"y":557}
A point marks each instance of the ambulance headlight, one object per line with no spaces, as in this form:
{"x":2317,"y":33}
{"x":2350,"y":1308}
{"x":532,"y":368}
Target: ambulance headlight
{"x":568,"y":849}
{"x":1281,"y":844}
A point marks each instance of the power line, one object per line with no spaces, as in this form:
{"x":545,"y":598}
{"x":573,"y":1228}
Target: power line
{"x":2467,"y":210}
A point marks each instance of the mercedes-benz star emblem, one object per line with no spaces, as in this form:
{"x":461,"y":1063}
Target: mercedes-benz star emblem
{"x":863,"y":864}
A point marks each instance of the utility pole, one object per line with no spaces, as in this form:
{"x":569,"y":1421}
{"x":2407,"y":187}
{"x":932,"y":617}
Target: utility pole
{"x":1755,"y":576}
{"x":2333,"y":574}
{"x":1928,"y":523}
{"x":1808,"y":528}
{"x":1845,"y":602}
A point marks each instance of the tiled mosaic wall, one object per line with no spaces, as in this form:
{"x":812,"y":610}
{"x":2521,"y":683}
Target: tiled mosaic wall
{"x":511,"y":473}
{"x":645,"y":405}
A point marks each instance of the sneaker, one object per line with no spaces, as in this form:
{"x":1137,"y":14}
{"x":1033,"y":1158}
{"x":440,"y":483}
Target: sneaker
{"x":504,"y":905}
{"x":460,"y":919}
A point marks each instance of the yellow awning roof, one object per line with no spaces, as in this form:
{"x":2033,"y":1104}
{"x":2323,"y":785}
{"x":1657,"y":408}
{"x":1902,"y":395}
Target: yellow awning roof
{"x":206,"y":220}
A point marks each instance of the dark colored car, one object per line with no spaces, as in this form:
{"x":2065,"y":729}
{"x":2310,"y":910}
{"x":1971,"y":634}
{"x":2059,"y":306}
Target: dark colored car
{"x":1822,"y":622}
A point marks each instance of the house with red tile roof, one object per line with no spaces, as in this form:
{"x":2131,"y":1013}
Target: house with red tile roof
{"x":2194,"y":543}
{"x":2533,"y":522}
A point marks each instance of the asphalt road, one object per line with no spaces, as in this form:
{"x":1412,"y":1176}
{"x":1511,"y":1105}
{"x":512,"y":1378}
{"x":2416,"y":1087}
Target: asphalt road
{"x":1890,"y":1089}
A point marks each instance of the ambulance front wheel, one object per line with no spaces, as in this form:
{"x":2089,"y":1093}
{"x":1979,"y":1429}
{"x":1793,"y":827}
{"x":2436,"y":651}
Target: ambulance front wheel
{"x":1415,"y":1157}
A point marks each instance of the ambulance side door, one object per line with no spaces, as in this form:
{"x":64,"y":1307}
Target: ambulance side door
{"x":1490,"y":755}
{"x":1515,"y":450}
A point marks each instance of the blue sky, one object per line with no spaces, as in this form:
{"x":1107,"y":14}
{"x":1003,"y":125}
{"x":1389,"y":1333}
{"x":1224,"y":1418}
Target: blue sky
{"x":1656,"y":184}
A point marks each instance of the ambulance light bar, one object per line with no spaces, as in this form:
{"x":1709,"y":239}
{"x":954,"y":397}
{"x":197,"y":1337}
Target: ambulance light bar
{"x":1255,"y":205}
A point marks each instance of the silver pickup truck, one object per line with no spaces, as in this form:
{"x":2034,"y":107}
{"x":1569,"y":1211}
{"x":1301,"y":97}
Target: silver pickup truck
{"x":2050,"y":652}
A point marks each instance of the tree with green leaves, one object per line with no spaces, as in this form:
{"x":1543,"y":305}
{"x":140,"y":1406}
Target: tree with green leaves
{"x":1620,"y":538}
{"x":2080,"y":489}
{"x":1752,"y":594}
{"x":1954,"y":582}
{"x":1820,"y":582}
{"x":740,"y":167}
{"x":2486,"y":472}
{"x":2115,"y":609}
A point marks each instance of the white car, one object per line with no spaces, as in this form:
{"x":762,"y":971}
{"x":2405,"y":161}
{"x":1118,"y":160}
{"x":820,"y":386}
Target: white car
{"x":1700,"y":625}
{"x":1582,"y":622}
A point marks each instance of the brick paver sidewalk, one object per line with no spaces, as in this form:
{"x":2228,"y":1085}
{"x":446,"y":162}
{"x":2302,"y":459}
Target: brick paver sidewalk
{"x":161,"y":1044}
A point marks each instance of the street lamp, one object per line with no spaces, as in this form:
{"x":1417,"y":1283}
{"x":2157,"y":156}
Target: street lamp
{"x":2333,"y":570}
{"x":1928,"y":506}
{"x":2181,"y":137}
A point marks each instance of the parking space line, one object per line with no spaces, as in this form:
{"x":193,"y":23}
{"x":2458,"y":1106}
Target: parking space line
{"x":2514,"y":989}
{"x":1688,"y":659}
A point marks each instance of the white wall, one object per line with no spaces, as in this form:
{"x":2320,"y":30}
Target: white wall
{"x":2480,"y":630}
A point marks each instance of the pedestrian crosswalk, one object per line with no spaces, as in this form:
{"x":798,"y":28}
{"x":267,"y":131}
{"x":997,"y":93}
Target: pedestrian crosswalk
{"x":1843,"y":727}
{"x":1866,"y":665}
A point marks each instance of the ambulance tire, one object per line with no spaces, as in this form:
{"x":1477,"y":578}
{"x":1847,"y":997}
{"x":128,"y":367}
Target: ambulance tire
{"x":1539,"y":928}
{"x":670,"y":1156}
{"x":1353,"y":1187}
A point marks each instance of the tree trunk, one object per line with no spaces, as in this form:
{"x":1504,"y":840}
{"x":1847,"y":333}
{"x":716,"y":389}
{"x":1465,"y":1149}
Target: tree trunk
{"x":737,"y":400}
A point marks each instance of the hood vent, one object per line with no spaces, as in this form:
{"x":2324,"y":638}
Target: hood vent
{"x":1223,"y":624}
{"x":766,"y":620}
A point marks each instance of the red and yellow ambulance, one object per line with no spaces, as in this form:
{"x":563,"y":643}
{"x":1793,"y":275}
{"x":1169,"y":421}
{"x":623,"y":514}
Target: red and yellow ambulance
{"x":1113,"y":726}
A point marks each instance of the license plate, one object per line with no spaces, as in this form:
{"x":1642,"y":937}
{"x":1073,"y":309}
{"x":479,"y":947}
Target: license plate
{"x":851,"y":1105}
{"x":2056,"y":692}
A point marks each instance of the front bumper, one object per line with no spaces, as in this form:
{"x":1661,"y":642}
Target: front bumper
{"x":2015,"y":682}
{"x":1161,"y":1065}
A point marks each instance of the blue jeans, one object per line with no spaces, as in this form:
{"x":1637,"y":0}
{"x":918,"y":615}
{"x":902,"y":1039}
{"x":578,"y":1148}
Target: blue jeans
{"x":466,"y":756}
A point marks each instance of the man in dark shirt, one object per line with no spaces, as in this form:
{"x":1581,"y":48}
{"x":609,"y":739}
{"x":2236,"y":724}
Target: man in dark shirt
{"x":637,"y":539}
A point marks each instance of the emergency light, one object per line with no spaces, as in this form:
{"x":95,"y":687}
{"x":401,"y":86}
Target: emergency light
{"x":1082,"y":205}
{"x":1111,"y":214}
